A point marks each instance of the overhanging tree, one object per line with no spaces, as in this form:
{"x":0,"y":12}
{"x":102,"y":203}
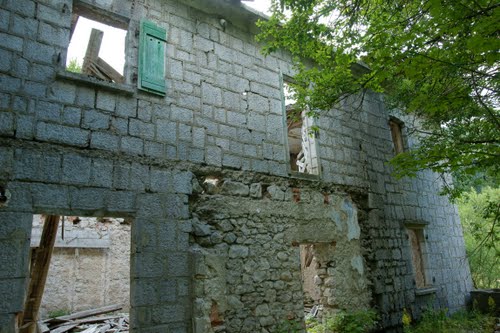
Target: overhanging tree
{"x":437,"y":59}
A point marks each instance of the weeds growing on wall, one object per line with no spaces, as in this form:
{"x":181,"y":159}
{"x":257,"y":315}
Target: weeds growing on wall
{"x":460,"y":322}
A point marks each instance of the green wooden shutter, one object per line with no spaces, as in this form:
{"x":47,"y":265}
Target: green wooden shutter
{"x":152,"y":58}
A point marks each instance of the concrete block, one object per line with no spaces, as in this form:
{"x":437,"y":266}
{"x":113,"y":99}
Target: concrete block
{"x":6,"y":161}
{"x":184,"y":132}
{"x":8,"y":83}
{"x":231,"y":161}
{"x":182,"y":182}
{"x":119,"y":125}
{"x":76,"y":169}
{"x":256,"y":121}
{"x":161,"y":181}
{"x":154,"y":149}
{"x":181,"y":114}
{"x":120,"y":201}
{"x":177,"y":264}
{"x":12,"y":293}
{"x":25,"y":126}
{"x":62,"y":134}
{"x":139,"y":177}
{"x":132,"y":145}
{"x":11,"y":42}
{"x":95,"y":120}
{"x":85,"y":97}
{"x":189,"y":101}
{"x":35,"y":89}
{"x":5,"y":101}
{"x":6,"y":123}
{"x":213,"y":155}
{"x":57,"y":16}
{"x":106,"y":101}
{"x":141,"y":129}
{"x":211,"y":95}
{"x":39,"y":52}
{"x":48,"y":111}
{"x":125,"y":107}
{"x":63,"y":92}
{"x":53,"y":35}
{"x":166,"y":131}
{"x":87,"y":198}
{"x":101,"y":173}
{"x":48,"y":197}
{"x":48,"y":168}
{"x":5,"y":60}
{"x":42,"y":73}
{"x":105,"y":140}
{"x":4,"y":19}
{"x":121,"y":176}
{"x":198,"y":137}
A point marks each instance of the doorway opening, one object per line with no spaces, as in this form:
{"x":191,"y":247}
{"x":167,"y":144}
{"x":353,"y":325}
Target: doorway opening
{"x":317,"y":266}
{"x":88,"y":280}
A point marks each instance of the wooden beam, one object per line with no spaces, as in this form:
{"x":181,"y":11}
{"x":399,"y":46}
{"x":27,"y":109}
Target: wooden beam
{"x":92,"y":52}
{"x":38,"y":275}
{"x":109,"y":71}
{"x":91,"y":312}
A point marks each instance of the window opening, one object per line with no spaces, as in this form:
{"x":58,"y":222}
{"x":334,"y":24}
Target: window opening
{"x":417,"y":244}
{"x":96,"y":48}
{"x":89,"y":273}
{"x":397,"y":135}
{"x":301,"y":136}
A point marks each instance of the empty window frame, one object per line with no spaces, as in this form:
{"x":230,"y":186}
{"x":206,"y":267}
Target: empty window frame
{"x":302,"y":149}
{"x":396,"y":126}
{"x":97,"y":45}
{"x":418,"y":256}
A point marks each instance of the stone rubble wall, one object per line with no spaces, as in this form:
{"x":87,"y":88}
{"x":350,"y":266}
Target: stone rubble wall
{"x":246,"y":256}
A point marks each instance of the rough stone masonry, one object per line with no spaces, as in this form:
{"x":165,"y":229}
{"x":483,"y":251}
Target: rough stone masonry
{"x":203,"y":172}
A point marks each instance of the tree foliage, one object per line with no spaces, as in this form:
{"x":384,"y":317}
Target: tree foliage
{"x":436,"y":59}
{"x":74,"y":66}
{"x":480,"y":217}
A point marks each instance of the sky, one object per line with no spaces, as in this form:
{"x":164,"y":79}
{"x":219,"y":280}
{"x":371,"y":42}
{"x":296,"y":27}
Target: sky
{"x":113,"y":43}
{"x":260,"y":5}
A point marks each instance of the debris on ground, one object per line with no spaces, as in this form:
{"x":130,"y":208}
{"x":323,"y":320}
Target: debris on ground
{"x":88,"y":321}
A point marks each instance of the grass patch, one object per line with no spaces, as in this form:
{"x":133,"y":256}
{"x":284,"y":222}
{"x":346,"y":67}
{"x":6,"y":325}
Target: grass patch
{"x":460,"y":322}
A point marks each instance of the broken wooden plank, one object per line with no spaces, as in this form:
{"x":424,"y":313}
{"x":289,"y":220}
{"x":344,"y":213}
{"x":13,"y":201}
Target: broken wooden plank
{"x":91,"y":312}
{"x":109,"y":71}
{"x":84,"y":321}
{"x":104,"y":329}
{"x":65,"y":328}
{"x":38,"y":274}
{"x":93,"y":329}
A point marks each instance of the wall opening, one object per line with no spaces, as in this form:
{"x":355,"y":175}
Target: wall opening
{"x":302,"y":148}
{"x":418,"y":256}
{"x":316,"y":265}
{"x":396,"y":126}
{"x":97,"y":45}
{"x":89,"y":270}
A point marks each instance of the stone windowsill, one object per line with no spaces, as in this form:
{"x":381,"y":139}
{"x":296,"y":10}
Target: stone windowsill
{"x":425,"y":291}
{"x":302,"y":175}
{"x":94,"y":82}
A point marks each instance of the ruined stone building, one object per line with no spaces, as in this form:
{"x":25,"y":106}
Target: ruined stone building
{"x":238,"y":215}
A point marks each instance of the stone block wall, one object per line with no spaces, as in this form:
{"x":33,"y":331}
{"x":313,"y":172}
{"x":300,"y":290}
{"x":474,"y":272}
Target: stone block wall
{"x":72,"y":145}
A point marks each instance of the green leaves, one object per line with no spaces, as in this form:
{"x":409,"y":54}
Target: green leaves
{"x":436,"y":59}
